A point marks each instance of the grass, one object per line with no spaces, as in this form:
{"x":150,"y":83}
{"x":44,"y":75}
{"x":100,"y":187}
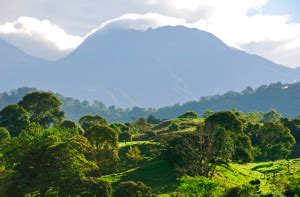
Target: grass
{"x":161,"y":176}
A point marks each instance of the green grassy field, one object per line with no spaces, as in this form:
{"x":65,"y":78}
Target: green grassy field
{"x":161,"y":176}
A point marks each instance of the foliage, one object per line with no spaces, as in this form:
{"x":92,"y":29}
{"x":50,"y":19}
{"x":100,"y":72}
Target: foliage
{"x":44,"y":108}
{"x":89,"y":121}
{"x":132,"y":189}
{"x":189,"y":115}
{"x":275,"y":141}
{"x":72,"y":127}
{"x":199,"y":154}
{"x":198,"y":186}
{"x":134,"y":154}
{"x":105,"y":142}
{"x":41,"y":161}
{"x":226,"y":119}
{"x":15,"y":119}
{"x":173,"y":127}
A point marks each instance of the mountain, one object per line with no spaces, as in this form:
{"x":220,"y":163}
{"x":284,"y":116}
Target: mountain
{"x":153,"y":68}
{"x":162,"y":66}
{"x":17,"y":68}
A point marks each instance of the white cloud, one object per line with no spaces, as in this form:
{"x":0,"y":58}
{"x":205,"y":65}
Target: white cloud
{"x":140,"y":22}
{"x":39,"y":38}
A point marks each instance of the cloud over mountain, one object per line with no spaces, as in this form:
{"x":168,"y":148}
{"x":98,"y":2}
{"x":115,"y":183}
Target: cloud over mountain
{"x":39,"y":38}
{"x":241,"y":24}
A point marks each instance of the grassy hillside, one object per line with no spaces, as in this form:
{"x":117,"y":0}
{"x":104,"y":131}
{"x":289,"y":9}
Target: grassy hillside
{"x":161,"y":176}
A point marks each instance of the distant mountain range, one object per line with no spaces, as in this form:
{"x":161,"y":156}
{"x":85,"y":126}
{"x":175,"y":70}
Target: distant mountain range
{"x":282,"y":97}
{"x":157,"y":67}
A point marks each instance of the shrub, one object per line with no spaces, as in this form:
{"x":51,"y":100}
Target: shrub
{"x":132,"y":189}
{"x":189,"y":115}
{"x":244,"y":191}
{"x":174,"y":127}
{"x":199,"y":186}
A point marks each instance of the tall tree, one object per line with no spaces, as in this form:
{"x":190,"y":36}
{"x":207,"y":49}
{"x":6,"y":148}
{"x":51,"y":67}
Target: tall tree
{"x":44,"y":108}
{"x":200,"y":153}
{"x":105,"y":142}
{"x":14,"y":118}
{"x":89,"y":121}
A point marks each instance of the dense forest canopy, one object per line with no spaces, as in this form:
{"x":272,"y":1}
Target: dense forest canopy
{"x":282,"y":97}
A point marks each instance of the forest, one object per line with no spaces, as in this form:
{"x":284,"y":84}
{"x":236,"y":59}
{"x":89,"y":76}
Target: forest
{"x":282,"y":97}
{"x":216,"y":153}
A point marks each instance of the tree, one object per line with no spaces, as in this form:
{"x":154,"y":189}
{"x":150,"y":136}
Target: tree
{"x":89,"y":121}
{"x":72,"y":127}
{"x":153,"y":120}
{"x":208,"y":113}
{"x":243,"y":149}
{"x":189,"y":115}
{"x":173,"y":127}
{"x":105,"y":142}
{"x":199,"y":154}
{"x":133,"y":189}
{"x":125,"y":137}
{"x":4,"y":138}
{"x":199,"y":186}
{"x":44,"y":108}
{"x":275,"y":137}
{"x":272,"y":116}
{"x":134,"y":154}
{"x":226,"y":119}
{"x":15,"y":119}
{"x":141,"y":123}
{"x":45,"y":160}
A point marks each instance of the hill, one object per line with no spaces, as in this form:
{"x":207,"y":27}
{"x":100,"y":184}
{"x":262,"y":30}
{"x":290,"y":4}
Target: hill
{"x":282,"y":97}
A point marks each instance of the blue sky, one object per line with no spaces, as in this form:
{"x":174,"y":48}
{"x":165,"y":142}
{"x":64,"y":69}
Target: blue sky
{"x":282,"y":7}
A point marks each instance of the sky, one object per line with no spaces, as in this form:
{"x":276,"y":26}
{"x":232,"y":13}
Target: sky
{"x":52,"y":29}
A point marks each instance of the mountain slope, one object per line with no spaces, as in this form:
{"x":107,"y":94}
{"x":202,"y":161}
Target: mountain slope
{"x":163,"y":66}
{"x":17,"y":68}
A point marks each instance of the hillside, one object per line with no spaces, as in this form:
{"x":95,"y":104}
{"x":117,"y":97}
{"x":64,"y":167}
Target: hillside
{"x":282,"y":97}
{"x":17,"y":68}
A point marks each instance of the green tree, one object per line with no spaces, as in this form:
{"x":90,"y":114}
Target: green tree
{"x":133,"y":189}
{"x":199,"y":154}
{"x":274,"y":136}
{"x":174,"y":127}
{"x":134,"y":154}
{"x":45,"y":160}
{"x":105,"y":142}
{"x":15,"y":119}
{"x":72,"y":127}
{"x":243,"y":149}
{"x":226,"y":119}
{"x":4,"y":138}
{"x":189,"y":115}
{"x":272,"y":116}
{"x":89,"y":121}
{"x":141,"y":123}
{"x":44,"y":108}
{"x":125,"y":137}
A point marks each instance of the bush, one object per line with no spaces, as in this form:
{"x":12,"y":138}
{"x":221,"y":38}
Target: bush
{"x":96,"y":187}
{"x":132,"y":189}
{"x":244,"y":191}
{"x":189,"y":115}
{"x":174,"y":127}
{"x":199,"y":186}
{"x":125,"y":136}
